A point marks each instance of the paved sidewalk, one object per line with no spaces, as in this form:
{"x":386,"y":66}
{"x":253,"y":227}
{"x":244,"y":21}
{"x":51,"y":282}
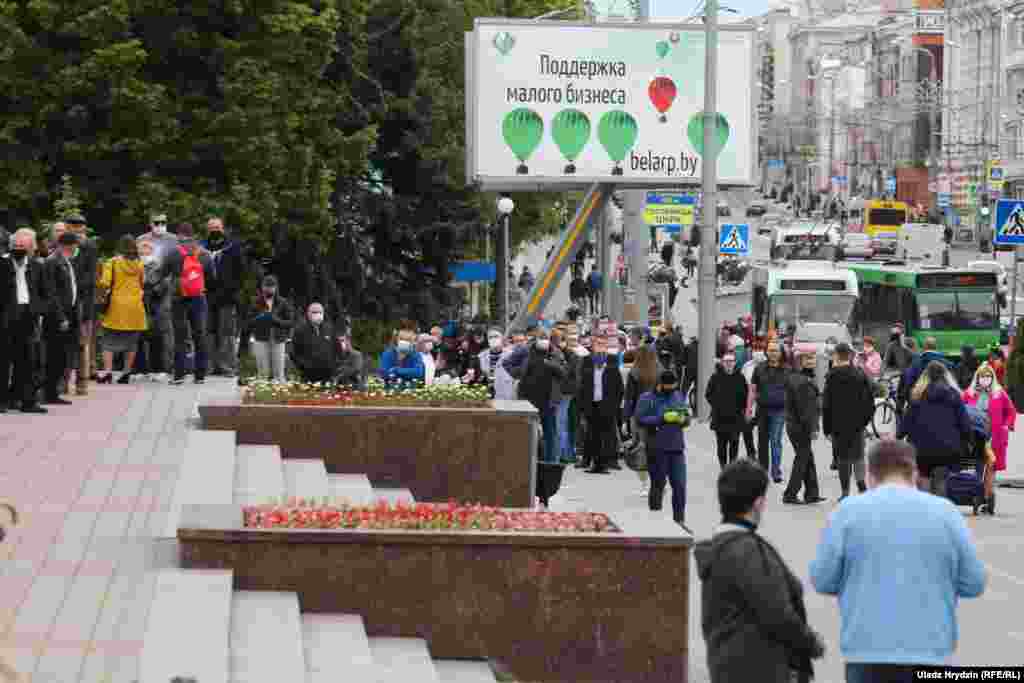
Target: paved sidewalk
{"x":93,"y":482}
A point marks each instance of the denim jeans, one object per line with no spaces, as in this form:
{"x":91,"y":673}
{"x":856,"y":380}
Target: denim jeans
{"x":769,"y":436}
{"x":549,"y":426}
{"x":670,"y":465}
{"x":880,"y":673}
{"x":565,"y":444}
{"x":190,"y":318}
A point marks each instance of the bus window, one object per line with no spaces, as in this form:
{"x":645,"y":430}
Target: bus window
{"x":887,"y":217}
{"x":977,"y":310}
{"x":811,"y":308}
{"x":937,"y":311}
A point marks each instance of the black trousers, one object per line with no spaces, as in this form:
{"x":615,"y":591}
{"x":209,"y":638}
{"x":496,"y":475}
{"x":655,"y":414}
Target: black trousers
{"x":58,"y":346}
{"x":728,"y":447}
{"x":601,"y":442}
{"x":315,"y":376}
{"x":748,"y":440}
{"x":848,"y":451}
{"x":17,"y":359}
{"x":804,"y":473}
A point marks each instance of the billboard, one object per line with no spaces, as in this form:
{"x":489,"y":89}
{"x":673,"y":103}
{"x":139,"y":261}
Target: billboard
{"x":559,"y":105}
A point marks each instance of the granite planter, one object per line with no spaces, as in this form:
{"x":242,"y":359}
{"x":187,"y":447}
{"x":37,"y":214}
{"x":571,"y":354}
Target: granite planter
{"x":545,"y":607}
{"x":473,"y":455}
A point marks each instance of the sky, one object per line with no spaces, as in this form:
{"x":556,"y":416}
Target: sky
{"x":671,"y":9}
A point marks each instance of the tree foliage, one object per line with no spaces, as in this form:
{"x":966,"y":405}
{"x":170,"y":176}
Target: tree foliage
{"x":329,"y":133}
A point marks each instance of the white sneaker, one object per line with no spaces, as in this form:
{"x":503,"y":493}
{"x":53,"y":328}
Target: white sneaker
{"x":644,"y":490}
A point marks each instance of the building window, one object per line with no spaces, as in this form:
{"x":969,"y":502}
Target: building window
{"x":1020,"y":33}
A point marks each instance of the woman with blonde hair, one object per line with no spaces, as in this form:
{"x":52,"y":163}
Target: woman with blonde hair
{"x":988,"y":397}
{"x":643,"y":378}
{"x":936,"y":423}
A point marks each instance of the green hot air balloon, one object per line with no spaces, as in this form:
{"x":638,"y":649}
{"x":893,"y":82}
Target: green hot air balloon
{"x":662,"y":48}
{"x":695,"y":132}
{"x":617,"y":132}
{"x":523,"y":129}
{"x":571,"y":131}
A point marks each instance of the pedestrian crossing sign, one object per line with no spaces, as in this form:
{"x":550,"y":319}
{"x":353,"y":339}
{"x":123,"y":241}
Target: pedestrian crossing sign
{"x":734,"y":240}
{"x":1009,"y":222}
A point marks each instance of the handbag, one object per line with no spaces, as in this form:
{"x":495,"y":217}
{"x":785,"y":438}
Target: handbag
{"x":105,"y":296}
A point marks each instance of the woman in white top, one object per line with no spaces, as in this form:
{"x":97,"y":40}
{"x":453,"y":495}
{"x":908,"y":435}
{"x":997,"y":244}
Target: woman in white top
{"x":425,"y":347}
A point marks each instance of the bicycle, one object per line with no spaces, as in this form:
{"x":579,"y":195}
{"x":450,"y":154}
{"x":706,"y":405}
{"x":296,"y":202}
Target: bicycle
{"x":886,"y":416}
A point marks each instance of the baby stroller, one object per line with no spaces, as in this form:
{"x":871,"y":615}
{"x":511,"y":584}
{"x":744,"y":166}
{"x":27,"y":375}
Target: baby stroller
{"x":965,"y":483}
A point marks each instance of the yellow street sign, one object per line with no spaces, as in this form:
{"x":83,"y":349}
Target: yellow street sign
{"x":668,"y":214}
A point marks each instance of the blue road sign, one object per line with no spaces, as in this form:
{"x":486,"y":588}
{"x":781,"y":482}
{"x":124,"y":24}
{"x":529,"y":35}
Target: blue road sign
{"x":890,"y":184}
{"x":776,"y":163}
{"x":944,"y":199}
{"x":734,"y":240}
{"x":1009,"y":227}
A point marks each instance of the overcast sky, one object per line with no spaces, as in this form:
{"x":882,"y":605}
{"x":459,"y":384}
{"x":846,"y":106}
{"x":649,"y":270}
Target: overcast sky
{"x":685,"y":8}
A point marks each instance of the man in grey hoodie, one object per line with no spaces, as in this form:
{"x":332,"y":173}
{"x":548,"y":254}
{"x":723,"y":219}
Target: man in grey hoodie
{"x":752,"y":606}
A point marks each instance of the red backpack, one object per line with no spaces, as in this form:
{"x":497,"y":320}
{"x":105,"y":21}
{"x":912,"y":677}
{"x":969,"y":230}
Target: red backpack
{"x":193,"y":281}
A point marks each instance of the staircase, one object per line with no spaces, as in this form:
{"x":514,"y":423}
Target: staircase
{"x":199,"y":627}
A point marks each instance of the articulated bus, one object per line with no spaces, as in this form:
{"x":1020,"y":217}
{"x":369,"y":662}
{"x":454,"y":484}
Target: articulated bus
{"x":812,"y":300}
{"x":956,"y":306}
{"x":883,"y":221}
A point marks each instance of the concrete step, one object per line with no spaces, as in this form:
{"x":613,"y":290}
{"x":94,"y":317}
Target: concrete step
{"x":337,"y":648}
{"x":393,"y":495}
{"x":259,"y":475}
{"x":403,"y":660}
{"x":207,"y":474}
{"x":305,"y":479}
{"x":463,"y":671}
{"x":266,"y":638}
{"x":353,"y":488}
{"x":188,"y":625}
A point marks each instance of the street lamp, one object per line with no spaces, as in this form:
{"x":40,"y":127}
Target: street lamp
{"x":501,"y":259}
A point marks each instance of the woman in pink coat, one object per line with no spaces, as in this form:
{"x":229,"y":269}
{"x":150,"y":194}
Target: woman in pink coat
{"x":987,"y":395}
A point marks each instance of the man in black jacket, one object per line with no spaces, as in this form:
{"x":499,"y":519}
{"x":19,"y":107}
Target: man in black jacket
{"x":315,"y":347}
{"x":600,"y":399}
{"x":86,"y":262}
{"x":752,"y":606}
{"x":540,"y":369}
{"x":24,"y":297}
{"x":229,"y":268}
{"x":61,"y":322}
{"x":802,"y":426}
{"x":847,"y":406}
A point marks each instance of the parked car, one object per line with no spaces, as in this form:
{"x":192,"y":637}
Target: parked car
{"x":756,"y":209}
{"x":856,"y":244}
{"x":723,"y":210}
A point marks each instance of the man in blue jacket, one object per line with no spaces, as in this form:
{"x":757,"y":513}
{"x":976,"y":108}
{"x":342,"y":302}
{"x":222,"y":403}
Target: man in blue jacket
{"x":898,"y":583}
{"x":401,"y":362}
{"x":663,"y":413}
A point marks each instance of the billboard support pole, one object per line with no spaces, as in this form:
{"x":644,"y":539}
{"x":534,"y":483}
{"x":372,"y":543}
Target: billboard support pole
{"x":709,"y":245}
{"x":635,"y":234}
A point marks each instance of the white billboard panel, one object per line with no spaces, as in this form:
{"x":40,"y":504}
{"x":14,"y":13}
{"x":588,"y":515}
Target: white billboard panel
{"x":555,"y":105}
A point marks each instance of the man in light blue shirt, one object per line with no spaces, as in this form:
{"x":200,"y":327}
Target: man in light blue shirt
{"x":899,"y":559}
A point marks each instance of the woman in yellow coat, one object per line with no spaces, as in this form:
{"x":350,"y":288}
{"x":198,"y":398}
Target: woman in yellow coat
{"x":125,"y":318}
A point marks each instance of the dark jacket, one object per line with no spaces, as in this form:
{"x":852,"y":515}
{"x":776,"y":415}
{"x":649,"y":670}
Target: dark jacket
{"x":967,"y":367}
{"x":634,"y":391}
{"x":65,"y":300}
{"x":770,"y":384}
{"x":650,"y":413}
{"x":315,"y":348}
{"x":86,"y":262}
{"x":802,"y":404}
{"x":540,"y":374}
{"x":752,"y":610}
{"x":897,"y":356}
{"x":352,"y":369}
{"x":571,"y":382}
{"x":274,"y":325}
{"x":228,"y":266}
{"x":611,"y":387}
{"x":848,"y":403}
{"x":39,"y":296}
{"x":727,"y":394}
{"x":156,"y":295}
{"x":937,"y":424}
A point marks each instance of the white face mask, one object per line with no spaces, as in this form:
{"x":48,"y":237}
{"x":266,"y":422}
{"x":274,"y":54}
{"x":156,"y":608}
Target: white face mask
{"x":316,"y":317}
{"x":543,"y":344}
{"x":494,"y":342}
{"x":428,"y":347}
{"x":149,"y":258}
{"x":985,"y":382}
{"x":404,"y":347}
{"x":159,"y":229}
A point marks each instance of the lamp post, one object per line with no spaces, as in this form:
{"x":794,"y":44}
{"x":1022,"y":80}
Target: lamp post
{"x":501,"y":259}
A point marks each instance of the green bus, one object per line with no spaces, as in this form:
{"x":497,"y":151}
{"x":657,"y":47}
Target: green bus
{"x":956,"y":306}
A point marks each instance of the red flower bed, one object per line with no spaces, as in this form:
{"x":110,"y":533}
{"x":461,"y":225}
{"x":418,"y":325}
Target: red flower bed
{"x":436,"y":516}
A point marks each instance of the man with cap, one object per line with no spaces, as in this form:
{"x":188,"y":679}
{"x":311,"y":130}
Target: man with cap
{"x":846,"y":409}
{"x":85,"y":261}
{"x":802,"y":426}
{"x":61,"y":324}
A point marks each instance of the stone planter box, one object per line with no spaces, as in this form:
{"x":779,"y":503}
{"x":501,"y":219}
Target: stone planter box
{"x":544,"y":607}
{"x":484,"y":455}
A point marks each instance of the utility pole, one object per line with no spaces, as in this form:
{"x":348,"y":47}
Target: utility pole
{"x":635,"y":233}
{"x":832,"y":135}
{"x":708,"y":244}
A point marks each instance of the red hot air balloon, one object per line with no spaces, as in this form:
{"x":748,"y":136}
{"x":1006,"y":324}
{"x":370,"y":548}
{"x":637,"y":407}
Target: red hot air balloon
{"x":662,"y":92}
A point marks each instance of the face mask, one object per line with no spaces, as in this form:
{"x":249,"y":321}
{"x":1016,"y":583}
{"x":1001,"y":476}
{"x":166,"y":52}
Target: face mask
{"x":148,"y":258}
{"x":19,"y":253}
{"x":437,"y":341}
{"x":428,"y":347}
{"x":985,"y":382}
{"x":581,"y":351}
{"x":343,"y":345}
{"x":494,"y":343}
{"x":269,"y":293}
{"x":543,"y":344}
{"x":404,"y":347}
{"x":869,"y":349}
{"x":316,"y":317}
{"x":600,"y":358}
{"x":159,"y":229}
